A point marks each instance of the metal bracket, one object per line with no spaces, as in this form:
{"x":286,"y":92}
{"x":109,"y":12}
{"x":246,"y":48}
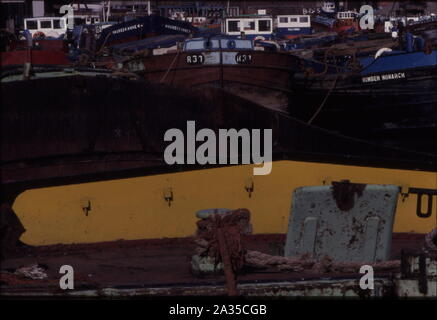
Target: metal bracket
{"x":404,"y":192}
{"x":168,"y":195}
{"x":249,"y":186}
{"x":85,"y":204}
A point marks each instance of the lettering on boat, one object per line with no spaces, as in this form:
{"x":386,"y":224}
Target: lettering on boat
{"x":243,"y":58}
{"x":177,"y":28}
{"x":383,"y":77}
{"x":129,"y":28}
{"x":197,"y":58}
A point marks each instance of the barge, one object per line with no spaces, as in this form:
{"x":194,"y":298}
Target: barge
{"x":389,"y":97}
{"x":235,"y":65}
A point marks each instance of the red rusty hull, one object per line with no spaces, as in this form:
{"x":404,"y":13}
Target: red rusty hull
{"x":52,"y":57}
{"x":45,"y":44}
{"x":42,"y":53}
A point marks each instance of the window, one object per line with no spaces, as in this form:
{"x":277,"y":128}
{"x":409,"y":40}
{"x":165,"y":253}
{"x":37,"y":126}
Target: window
{"x":46,"y":24}
{"x":293,"y":19}
{"x":57,"y":24}
{"x":264,"y":25}
{"x":32,"y":25}
{"x":283,"y":20}
{"x":249,"y":25}
{"x":233,"y":26}
{"x":303,"y":19}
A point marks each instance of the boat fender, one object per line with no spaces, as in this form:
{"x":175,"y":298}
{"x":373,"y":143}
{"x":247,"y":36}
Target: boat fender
{"x":231,"y":44}
{"x":39,"y":35}
{"x":259,"y":38}
{"x":381,"y":51}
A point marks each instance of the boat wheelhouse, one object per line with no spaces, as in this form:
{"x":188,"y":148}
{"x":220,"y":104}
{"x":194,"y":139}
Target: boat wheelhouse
{"x":56,"y":27}
{"x":252,"y":27}
{"x":46,"y":27}
{"x":289,"y":26}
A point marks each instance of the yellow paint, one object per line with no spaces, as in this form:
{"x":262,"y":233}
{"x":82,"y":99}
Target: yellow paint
{"x":164,"y":205}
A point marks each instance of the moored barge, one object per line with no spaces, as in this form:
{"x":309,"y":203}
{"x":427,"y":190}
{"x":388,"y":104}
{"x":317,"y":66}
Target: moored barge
{"x":234,"y":65}
{"x":389,"y":97}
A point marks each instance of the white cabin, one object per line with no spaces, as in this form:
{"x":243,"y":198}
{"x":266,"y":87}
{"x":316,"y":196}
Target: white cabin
{"x":54,"y":27}
{"x":252,"y":27}
{"x":292,"y":25}
{"x":293,"y":21}
{"x":48,"y":26}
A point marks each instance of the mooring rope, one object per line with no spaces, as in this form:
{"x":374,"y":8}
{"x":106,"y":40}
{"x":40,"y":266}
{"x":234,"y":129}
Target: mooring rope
{"x":324,"y":101}
{"x":169,"y":68}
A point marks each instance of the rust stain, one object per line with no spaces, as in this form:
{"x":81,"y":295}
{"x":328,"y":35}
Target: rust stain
{"x":344,"y":193}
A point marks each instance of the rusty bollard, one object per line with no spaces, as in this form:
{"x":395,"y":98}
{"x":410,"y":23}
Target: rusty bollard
{"x":220,"y":245}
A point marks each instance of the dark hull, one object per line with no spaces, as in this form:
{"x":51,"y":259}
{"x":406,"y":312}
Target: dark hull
{"x":399,"y":112}
{"x":98,"y":128}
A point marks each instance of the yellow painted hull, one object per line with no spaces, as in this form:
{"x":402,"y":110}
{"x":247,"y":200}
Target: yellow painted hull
{"x":164,"y":205}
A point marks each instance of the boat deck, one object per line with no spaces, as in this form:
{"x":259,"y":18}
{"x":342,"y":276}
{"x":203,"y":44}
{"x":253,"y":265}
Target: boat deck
{"x":155,"y":267}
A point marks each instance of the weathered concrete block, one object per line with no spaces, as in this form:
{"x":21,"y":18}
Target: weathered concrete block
{"x":346,"y":221}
